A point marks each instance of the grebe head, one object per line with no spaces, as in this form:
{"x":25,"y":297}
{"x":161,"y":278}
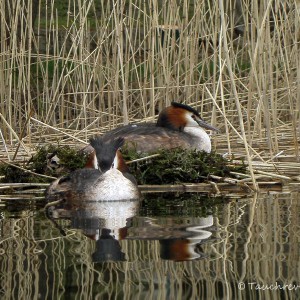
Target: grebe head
{"x":105,"y":154}
{"x":178,"y":116}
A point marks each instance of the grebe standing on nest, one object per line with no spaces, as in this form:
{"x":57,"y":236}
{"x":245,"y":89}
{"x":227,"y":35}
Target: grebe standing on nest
{"x":178,"y":125}
{"x":105,"y":178}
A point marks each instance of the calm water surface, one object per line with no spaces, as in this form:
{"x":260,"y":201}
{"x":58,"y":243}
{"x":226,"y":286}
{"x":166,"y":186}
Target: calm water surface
{"x":167,"y":246}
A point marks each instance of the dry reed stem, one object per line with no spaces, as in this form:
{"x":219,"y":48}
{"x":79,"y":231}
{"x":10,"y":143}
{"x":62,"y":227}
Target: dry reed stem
{"x":14,"y":133}
{"x":142,"y":158}
{"x":4,"y":145}
{"x":273,"y":175}
{"x":4,"y":186}
{"x":58,"y":130}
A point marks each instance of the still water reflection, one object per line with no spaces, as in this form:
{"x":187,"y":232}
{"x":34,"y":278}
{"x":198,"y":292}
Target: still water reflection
{"x":167,"y":246}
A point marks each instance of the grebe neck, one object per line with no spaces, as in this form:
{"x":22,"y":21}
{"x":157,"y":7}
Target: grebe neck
{"x":200,"y":138}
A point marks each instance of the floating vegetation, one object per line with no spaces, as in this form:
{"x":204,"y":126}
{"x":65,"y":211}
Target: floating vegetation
{"x":180,"y":165}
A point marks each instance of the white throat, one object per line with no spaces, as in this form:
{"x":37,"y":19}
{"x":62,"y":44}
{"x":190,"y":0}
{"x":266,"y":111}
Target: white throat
{"x":201,"y":138}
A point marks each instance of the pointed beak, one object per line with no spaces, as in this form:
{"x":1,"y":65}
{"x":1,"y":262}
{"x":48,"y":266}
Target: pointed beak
{"x":205,"y":125}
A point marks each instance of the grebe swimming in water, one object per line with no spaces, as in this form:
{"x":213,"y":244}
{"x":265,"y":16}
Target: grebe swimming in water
{"x":105,"y":178}
{"x":178,"y":125}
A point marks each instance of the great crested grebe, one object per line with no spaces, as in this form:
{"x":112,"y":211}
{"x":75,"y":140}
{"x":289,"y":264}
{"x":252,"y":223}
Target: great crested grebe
{"x":178,"y":125}
{"x":105,"y":178}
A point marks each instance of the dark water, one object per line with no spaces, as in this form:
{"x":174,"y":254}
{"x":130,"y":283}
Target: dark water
{"x":167,"y":246}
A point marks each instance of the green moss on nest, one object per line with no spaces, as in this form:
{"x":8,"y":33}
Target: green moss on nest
{"x":69,"y":160}
{"x":11,"y":174}
{"x":169,"y":167}
{"x":180,"y":165}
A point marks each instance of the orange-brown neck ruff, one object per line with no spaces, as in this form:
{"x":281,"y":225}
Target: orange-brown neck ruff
{"x":173,"y":118}
{"x":92,"y":161}
{"x":122,"y":167}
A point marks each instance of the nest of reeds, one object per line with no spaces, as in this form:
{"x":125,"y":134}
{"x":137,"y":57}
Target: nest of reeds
{"x":166,"y":167}
{"x":180,"y":165}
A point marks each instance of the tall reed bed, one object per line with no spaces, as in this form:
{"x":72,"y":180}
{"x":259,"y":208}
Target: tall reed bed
{"x":75,"y":68}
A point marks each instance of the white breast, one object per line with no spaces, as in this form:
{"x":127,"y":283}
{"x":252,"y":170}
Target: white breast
{"x":201,"y":140}
{"x":113,"y":186}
